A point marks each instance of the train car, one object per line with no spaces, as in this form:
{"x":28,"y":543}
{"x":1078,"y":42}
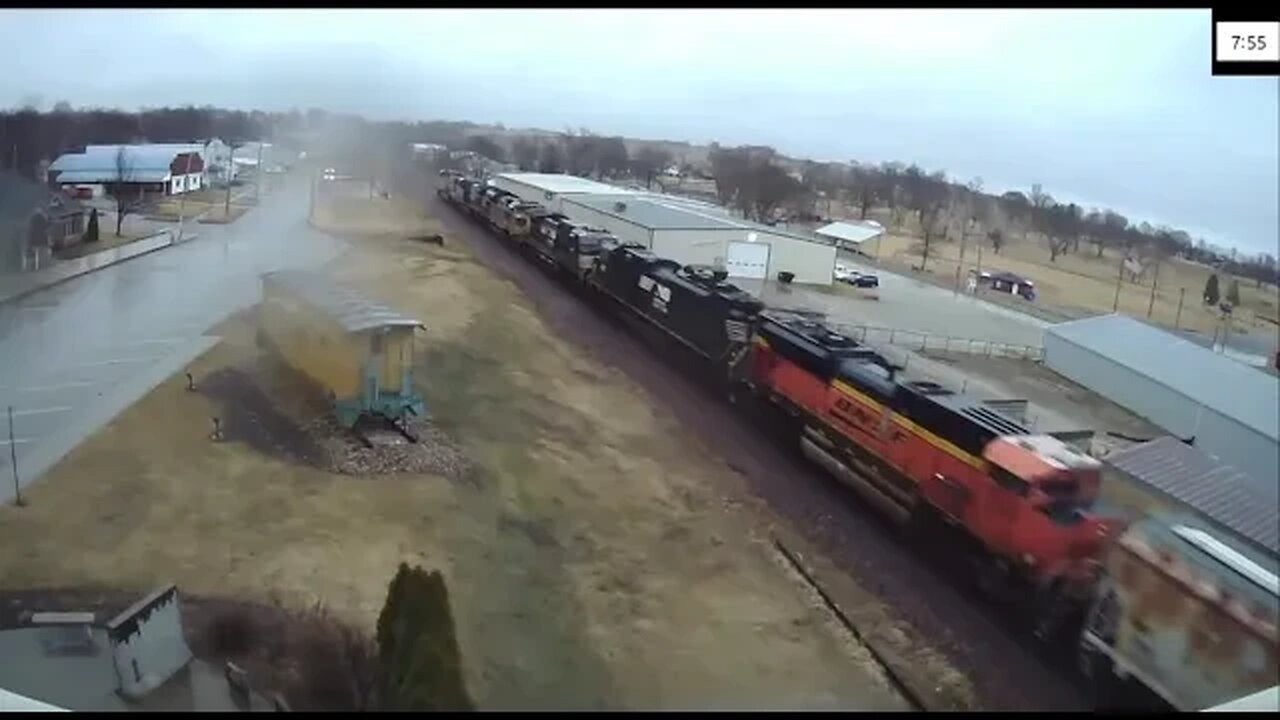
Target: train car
{"x":1184,"y":613}
{"x":491,"y":205}
{"x":920,"y":452}
{"x":545,"y":227}
{"x":691,"y":304}
{"x":516,"y":217}
{"x":358,"y":352}
{"x":576,"y":248}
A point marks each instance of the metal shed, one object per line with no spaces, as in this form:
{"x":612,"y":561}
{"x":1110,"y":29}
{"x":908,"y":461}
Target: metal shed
{"x":1230,"y":409}
{"x":359,"y":352}
{"x":690,"y":232}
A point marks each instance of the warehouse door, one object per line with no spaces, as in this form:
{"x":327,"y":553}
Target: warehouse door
{"x":747,"y":260}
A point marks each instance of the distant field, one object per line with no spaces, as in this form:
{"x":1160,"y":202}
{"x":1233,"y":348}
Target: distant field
{"x":1085,"y":282}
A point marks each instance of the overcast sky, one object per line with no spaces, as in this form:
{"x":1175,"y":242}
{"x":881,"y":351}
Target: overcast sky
{"x":1108,"y":108}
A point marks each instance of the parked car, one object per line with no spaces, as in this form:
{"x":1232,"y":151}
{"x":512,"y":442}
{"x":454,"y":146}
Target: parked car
{"x":863,"y":280}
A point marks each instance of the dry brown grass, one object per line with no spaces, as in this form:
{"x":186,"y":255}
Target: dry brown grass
{"x":1082,"y":281}
{"x":596,"y":562}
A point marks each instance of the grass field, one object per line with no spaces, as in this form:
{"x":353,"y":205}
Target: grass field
{"x":593,"y":557}
{"x":1083,"y":281}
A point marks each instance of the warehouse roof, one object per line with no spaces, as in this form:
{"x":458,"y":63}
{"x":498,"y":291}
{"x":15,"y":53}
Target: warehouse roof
{"x":1205,"y":484}
{"x":556,"y":183}
{"x":854,"y":232}
{"x":650,"y":213}
{"x":1217,"y":382}
{"x":352,"y":311}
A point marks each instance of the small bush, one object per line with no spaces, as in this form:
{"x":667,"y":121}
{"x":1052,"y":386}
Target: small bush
{"x":91,"y":232}
{"x":335,"y":665}
{"x":231,"y":632}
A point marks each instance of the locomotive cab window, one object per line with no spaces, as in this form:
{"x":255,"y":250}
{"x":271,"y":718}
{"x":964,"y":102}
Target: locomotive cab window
{"x":1008,"y":481}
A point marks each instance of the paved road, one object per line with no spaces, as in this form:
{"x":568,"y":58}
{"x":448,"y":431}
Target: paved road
{"x":908,"y":304}
{"x":73,"y":356}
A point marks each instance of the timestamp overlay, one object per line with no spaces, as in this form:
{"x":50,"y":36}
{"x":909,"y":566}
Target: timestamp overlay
{"x":1246,"y":43}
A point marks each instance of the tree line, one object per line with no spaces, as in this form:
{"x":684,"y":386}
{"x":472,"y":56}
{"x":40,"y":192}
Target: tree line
{"x":581,"y":153}
{"x":750,"y":179}
{"x":756,"y":180}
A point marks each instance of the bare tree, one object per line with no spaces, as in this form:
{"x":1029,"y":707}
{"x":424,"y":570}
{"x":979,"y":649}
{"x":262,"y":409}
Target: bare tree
{"x":487,"y":147}
{"x":611,"y":156}
{"x":552,"y":158}
{"x":932,"y":193}
{"x":648,"y":162}
{"x":122,"y":188}
{"x":525,"y":153}
{"x":864,"y":187}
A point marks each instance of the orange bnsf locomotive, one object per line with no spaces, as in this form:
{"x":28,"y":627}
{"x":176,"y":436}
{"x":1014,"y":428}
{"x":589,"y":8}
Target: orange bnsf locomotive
{"x":925,"y":455}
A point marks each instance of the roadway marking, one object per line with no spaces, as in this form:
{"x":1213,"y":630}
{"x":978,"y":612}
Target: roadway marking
{"x":158,"y":341}
{"x":60,"y":386}
{"x":42,"y":411}
{"x":19,"y":441}
{"x":117,"y":361}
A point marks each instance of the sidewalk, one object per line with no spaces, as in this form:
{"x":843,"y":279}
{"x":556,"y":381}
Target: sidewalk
{"x":13,"y":287}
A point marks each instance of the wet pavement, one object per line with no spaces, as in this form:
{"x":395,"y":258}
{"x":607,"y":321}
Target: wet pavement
{"x":74,"y":355}
{"x":908,"y":304}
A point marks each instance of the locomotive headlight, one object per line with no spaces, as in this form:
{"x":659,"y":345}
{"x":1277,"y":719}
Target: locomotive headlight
{"x":1028,"y":559}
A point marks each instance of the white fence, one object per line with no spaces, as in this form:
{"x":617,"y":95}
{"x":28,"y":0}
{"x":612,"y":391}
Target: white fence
{"x":923,"y":342}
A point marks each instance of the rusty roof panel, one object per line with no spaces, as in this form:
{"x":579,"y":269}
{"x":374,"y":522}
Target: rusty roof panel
{"x":1205,"y":484}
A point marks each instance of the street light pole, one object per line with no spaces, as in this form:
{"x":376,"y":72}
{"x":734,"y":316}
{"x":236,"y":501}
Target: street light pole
{"x":13,"y":458}
{"x":1115,"y":304}
{"x":182,"y":199}
{"x":257,"y":180}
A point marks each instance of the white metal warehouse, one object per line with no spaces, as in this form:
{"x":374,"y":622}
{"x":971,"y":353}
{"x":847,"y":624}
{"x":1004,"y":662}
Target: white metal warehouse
{"x":550,"y":189}
{"x":1230,"y":409}
{"x":687,"y":231}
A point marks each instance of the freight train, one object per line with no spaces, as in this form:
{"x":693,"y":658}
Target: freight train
{"x":946,"y":467}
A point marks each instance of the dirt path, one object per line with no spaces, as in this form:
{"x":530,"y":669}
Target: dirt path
{"x":931,"y":600}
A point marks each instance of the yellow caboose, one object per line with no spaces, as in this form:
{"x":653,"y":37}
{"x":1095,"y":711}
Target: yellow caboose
{"x":360,"y":352}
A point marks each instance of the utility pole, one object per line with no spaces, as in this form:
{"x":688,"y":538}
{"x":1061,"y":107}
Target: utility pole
{"x":1115,"y":305}
{"x":1177,"y":319}
{"x":231,"y":168}
{"x":13,"y":458}
{"x":182,"y":199}
{"x":1155,"y":279}
{"x":257,"y":181}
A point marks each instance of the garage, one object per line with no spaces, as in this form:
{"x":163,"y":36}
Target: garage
{"x":747,"y":260}
{"x":693,"y":232}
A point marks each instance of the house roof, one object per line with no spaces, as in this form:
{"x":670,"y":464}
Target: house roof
{"x":854,"y":232}
{"x":99,"y":163}
{"x":20,"y":197}
{"x":353,"y":312}
{"x":1205,"y":484}
{"x":1215,"y":381}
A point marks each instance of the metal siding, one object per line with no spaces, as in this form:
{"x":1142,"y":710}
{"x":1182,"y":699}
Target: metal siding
{"x":811,"y":262}
{"x":1215,"y":433}
{"x":705,"y":247}
{"x":1183,"y":366}
{"x":620,"y":228}
{"x":1134,"y":391}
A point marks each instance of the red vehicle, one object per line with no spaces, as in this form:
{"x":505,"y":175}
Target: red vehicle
{"x":923,"y":453}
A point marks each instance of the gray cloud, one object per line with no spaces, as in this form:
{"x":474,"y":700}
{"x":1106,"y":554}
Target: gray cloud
{"x":1113,"y":108}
